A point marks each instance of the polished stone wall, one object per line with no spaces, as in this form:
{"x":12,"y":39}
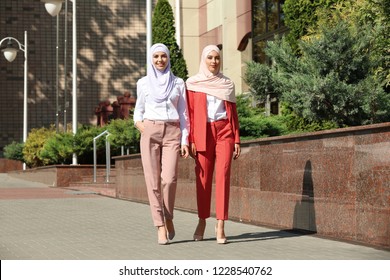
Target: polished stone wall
{"x":335,"y":183}
{"x":7,"y":165}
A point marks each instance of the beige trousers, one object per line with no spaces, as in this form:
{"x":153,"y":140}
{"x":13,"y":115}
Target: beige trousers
{"x":160,"y":148}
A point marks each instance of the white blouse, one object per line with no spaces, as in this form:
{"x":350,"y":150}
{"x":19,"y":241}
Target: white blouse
{"x":174,"y":108}
{"x":215,"y":109}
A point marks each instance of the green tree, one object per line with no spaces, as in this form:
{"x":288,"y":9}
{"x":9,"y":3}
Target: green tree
{"x":163,"y":31}
{"x":300,"y":16}
{"x":375,"y":14}
{"x":332,"y":80}
{"x":259,"y":76}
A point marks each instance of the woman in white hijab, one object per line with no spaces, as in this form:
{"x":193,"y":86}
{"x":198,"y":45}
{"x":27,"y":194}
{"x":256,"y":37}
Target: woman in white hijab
{"x":161,"y":116}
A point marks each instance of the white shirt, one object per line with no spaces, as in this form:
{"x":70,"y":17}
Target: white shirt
{"x":215,"y":109}
{"x":174,"y":108}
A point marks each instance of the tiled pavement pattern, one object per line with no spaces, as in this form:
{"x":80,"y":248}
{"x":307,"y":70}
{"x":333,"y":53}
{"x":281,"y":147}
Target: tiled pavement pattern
{"x":42,"y":223}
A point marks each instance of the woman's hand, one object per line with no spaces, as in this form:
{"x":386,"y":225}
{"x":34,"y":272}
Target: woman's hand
{"x":237,"y":151}
{"x":140,"y":126}
{"x":184,"y":151}
{"x":192,"y":150}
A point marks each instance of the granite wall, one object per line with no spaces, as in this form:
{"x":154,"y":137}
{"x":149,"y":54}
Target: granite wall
{"x":56,"y":175}
{"x":7,"y":165}
{"x":335,"y":183}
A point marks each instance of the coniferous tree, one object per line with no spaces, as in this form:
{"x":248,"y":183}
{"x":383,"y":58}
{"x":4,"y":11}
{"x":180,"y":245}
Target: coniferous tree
{"x":163,"y":31}
{"x":332,"y":79}
{"x":300,"y":16}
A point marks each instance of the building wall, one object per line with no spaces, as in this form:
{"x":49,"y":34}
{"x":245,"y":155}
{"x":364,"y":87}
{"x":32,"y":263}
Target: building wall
{"x":111,"y":44}
{"x":224,"y":22}
{"x":111,"y":36}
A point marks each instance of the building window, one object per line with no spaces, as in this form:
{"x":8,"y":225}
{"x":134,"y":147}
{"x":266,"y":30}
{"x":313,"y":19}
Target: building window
{"x":267,"y":21}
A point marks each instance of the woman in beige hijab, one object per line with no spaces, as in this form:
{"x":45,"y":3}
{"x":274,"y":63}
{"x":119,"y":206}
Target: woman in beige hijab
{"x":214,"y":138}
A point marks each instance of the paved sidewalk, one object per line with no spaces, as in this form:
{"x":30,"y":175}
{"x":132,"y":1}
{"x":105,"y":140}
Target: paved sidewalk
{"x":42,"y":223}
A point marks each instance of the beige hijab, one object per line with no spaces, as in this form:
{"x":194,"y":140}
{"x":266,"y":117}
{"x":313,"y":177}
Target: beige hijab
{"x":216,"y":85}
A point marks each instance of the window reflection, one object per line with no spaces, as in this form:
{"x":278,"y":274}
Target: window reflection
{"x":259,"y":17}
{"x":268,"y":20}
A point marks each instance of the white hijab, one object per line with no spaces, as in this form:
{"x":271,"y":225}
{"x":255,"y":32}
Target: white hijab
{"x":160,"y":83}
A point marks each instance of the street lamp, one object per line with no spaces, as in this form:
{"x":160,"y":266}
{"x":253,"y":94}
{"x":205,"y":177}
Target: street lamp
{"x":53,"y":10}
{"x":10,"y":54}
{"x":148,"y":29}
{"x":53,"y":7}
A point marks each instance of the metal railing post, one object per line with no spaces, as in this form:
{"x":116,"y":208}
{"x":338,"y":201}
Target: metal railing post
{"x":108,"y":156}
{"x":94,"y":160}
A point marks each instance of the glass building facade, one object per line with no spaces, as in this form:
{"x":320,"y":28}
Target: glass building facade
{"x":267,"y":21}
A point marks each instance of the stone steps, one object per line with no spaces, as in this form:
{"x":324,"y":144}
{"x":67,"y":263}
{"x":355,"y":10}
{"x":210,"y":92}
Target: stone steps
{"x":101,"y":186}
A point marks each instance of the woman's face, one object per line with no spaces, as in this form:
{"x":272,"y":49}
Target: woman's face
{"x":160,"y":60}
{"x":213,"y":62}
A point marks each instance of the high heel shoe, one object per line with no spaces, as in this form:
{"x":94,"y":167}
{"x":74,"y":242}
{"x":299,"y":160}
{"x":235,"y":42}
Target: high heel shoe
{"x":170,"y":229}
{"x":219,"y":240}
{"x":162,"y":241}
{"x":197,"y":236}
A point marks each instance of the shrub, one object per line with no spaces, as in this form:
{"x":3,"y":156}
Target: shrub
{"x":245,"y":108}
{"x":34,"y":145}
{"x":297,"y":124}
{"x":58,"y":149}
{"x":83,"y":143}
{"x":123,"y":134}
{"x":14,"y":151}
{"x":261,"y":126}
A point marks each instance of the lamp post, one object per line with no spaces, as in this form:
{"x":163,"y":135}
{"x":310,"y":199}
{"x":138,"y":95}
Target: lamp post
{"x":53,"y":7}
{"x":148,"y":29}
{"x":10,"y":54}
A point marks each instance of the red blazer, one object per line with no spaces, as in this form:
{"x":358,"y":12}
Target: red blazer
{"x":197,"y":109}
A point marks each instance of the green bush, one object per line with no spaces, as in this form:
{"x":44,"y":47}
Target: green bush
{"x":58,"y":149}
{"x":14,"y":151}
{"x":261,"y":126}
{"x":297,"y":124}
{"x":123,"y":133}
{"x":245,"y":108}
{"x":83,"y":143}
{"x":44,"y":146}
{"x":34,"y":146}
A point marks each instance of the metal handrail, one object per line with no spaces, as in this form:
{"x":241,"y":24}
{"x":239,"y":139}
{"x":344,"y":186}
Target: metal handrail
{"x":108,"y":156}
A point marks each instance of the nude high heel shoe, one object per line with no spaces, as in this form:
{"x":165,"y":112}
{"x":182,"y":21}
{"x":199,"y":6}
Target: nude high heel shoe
{"x":162,"y":240}
{"x":219,"y":240}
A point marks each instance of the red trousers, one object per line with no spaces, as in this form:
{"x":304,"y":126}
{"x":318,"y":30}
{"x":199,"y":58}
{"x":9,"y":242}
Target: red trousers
{"x":218,"y":155}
